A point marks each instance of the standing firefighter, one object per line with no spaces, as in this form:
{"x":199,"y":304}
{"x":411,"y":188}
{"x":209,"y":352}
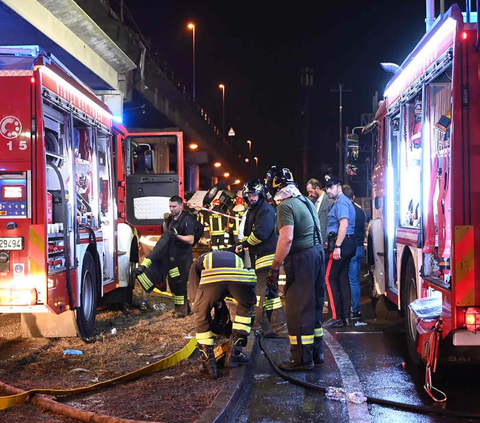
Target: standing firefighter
{"x":181,"y":228}
{"x":212,"y":276}
{"x":300,"y":248}
{"x":261,"y":240}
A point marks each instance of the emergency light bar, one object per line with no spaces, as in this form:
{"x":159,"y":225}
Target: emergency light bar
{"x":30,"y":51}
{"x":431,"y":51}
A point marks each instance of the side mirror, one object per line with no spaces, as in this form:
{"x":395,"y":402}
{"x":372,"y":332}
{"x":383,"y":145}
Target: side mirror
{"x":352,"y":148}
{"x":370,"y":127}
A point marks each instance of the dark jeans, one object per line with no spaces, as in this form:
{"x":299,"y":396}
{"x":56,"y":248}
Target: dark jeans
{"x":338,"y":284}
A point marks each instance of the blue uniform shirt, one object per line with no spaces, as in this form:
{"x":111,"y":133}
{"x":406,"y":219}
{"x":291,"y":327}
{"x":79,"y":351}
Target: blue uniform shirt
{"x":341,"y":209}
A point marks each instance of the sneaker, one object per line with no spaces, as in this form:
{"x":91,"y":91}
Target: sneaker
{"x":294,"y":365}
{"x":239,"y":359}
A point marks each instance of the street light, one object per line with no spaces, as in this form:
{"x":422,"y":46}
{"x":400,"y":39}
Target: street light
{"x":192,"y":27}
{"x":217,"y":164}
{"x":193,"y":146}
{"x":249,"y":147}
{"x":237,"y":181}
{"x":222,"y":87}
{"x":226,"y":174}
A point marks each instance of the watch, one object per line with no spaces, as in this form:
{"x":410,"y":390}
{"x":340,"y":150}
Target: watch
{"x":338,"y":246}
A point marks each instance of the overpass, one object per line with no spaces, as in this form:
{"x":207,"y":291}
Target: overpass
{"x":92,"y":38}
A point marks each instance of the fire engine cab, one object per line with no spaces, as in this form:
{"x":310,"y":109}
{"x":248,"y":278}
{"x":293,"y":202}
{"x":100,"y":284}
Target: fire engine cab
{"x":64,"y":237}
{"x":424,"y":236}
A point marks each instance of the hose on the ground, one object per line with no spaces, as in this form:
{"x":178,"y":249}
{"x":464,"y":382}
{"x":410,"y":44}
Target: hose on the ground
{"x":372,"y":400}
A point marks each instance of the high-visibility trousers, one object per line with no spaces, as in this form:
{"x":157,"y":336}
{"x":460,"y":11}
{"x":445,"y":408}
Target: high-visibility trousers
{"x":304,"y":296}
{"x":177,"y":281}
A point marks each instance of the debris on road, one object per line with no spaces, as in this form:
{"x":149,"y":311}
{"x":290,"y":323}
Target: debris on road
{"x":72,"y":352}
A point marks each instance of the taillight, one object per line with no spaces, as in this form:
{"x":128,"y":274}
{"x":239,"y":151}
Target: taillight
{"x":472,"y":319}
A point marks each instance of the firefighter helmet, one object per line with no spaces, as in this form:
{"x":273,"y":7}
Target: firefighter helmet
{"x":277,"y":178}
{"x":253,"y":187}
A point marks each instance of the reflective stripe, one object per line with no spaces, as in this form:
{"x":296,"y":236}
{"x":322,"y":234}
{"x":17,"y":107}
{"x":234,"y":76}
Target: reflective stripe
{"x":293,"y":339}
{"x":218,"y":270}
{"x":253,"y":240}
{"x":178,"y":300}
{"x":207,"y":263}
{"x":258,"y":300}
{"x":209,"y":341}
{"x":145,"y":281}
{"x":216,"y":229}
{"x":228,"y":278}
{"x":265,"y":261}
{"x":174,"y":272}
{"x":147,"y":263}
{"x":204,"y":335}
{"x":318,"y":332}
{"x":242,"y":327}
{"x":273,"y":303}
{"x":243,"y":319}
{"x":307,"y":339}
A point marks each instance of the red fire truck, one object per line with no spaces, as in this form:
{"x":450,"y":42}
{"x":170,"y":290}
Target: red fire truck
{"x":425,"y":190}
{"x":73,"y":188}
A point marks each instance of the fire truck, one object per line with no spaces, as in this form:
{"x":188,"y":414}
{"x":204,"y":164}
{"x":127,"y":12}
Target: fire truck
{"x":426,"y":193}
{"x":74,"y":188}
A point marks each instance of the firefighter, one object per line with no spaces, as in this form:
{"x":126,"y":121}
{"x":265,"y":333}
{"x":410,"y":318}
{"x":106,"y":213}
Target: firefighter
{"x":260,"y":239}
{"x":181,"y":228}
{"x":300,"y":247}
{"x":212,"y":276}
{"x":341,"y":233}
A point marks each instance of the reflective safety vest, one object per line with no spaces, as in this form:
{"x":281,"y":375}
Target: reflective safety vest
{"x":224,"y":266}
{"x":216,"y":225}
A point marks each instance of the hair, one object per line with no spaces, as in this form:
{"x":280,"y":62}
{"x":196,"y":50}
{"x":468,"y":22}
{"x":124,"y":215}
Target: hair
{"x":176,"y":199}
{"x":315,"y":183}
{"x":348,"y":191}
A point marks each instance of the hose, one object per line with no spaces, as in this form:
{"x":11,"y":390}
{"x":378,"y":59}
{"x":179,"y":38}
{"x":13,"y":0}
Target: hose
{"x":372,"y":400}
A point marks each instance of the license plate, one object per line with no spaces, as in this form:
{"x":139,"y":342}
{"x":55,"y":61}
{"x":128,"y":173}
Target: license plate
{"x":11,"y":243}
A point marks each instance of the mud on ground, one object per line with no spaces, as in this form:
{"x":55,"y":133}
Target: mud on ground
{"x":127,"y":339}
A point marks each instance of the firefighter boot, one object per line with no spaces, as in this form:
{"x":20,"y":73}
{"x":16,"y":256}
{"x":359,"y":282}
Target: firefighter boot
{"x":207,"y":361}
{"x":235,"y":356}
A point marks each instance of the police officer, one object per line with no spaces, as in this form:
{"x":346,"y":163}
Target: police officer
{"x":212,"y":276}
{"x":260,"y":239}
{"x":300,"y":247}
{"x":341,"y":232}
{"x":181,"y":228}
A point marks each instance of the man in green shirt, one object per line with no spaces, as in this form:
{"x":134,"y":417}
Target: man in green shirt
{"x":300,"y":248}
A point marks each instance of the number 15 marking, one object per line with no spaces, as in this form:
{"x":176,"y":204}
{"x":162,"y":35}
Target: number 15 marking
{"x":22,"y":145}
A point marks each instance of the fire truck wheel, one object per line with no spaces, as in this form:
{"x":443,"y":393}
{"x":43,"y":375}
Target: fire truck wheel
{"x":382,"y":306}
{"x":87,"y":311}
{"x":131,"y":282}
{"x":410,"y":295}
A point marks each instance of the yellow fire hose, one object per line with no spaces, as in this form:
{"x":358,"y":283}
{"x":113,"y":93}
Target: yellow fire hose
{"x":165,"y":363}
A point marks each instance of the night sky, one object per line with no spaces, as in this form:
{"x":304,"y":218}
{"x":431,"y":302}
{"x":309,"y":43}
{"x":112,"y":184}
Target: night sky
{"x":257,"y":48}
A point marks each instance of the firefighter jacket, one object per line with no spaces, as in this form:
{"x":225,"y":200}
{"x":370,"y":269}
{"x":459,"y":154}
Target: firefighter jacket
{"x":259,"y":233}
{"x":218,"y":266}
{"x":156,"y":264}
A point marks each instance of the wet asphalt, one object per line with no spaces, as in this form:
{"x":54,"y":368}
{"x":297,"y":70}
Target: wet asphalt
{"x":372,"y":359}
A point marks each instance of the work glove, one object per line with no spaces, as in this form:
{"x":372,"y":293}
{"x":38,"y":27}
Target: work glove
{"x":272,"y":278}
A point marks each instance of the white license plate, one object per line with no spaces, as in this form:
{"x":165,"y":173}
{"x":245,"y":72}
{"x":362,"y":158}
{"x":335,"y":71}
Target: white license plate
{"x":11,"y":243}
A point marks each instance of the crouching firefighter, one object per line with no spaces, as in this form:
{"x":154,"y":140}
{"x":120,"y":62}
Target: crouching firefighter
{"x":261,"y":240}
{"x":212,"y":276}
{"x":154,"y":268}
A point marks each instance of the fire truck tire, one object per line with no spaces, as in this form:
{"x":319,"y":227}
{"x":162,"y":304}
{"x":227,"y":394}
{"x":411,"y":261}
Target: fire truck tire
{"x":382,"y":306}
{"x":87,"y":311}
{"x":409,"y":295}
{"x":131,"y":283}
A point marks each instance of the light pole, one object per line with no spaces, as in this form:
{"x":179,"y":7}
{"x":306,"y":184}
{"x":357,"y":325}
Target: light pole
{"x":249,"y":148}
{"x":192,"y":27}
{"x":222,"y":87}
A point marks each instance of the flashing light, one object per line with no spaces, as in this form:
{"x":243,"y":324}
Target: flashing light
{"x":226,"y":174}
{"x":439,"y":43}
{"x":32,"y":80}
{"x":472,"y":319}
{"x":118,"y":118}
{"x":217,"y":164}
{"x":193,"y":146}
{"x":18,"y":297}
{"x":464,"y":35}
